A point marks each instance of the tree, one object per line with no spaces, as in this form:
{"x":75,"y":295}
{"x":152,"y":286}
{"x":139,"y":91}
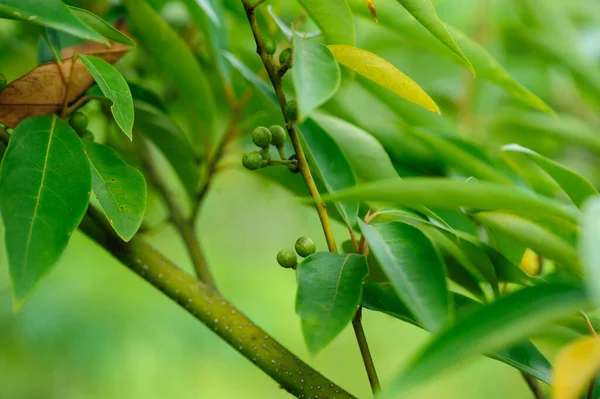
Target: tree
{"x":469,"y":224}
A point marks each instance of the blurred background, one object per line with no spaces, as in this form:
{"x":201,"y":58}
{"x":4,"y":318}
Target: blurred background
{"x":95,"y":330}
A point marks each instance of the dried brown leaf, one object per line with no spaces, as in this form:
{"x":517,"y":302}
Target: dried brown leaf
{"x":42,"y":91}
{"x":371,"y":5}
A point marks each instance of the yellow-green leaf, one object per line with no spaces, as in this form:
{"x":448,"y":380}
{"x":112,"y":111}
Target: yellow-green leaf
{"x":575,"y":366}
{"x":383,"y":73}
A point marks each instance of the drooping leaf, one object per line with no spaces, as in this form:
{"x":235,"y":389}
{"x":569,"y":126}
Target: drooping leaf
{"x":523,"y":356}
{"x":52,"y":39}
{"x":120,"y":189}
{"x":261,"y":85}
{"x":424,"y":12}
{"x":286,"y":30}
{"x":23,"y":97}
{"x":414,"y":268}
{"x":589,"y":248}
{"x":329,"y":165}
{"x":532,"y":235}
{"x":383,"y":73}
{"x":316,"y":75}
{"x":49,"y":13}
{"x":171,"y":141}
{"x":577,"y":187}
{"x":329,"y":291}
{"x":115,"y":88}
{"x":366,"y":155}
{"x":490,"y":328}
{"x":44,"y":192}
{"x":575,"y":367}
{"x":102,"y":27}
{"x":441,"y":193}
{"x":187,"y":75}
{"x":334,"y":18}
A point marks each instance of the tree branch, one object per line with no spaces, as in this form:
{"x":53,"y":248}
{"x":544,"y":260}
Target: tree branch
{"x":206,"y":305}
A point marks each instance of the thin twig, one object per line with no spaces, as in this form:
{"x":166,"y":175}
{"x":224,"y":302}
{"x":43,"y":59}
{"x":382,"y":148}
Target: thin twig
{"x":588,"y":322}
{"x":534,"y":386}
{"x":63,"y":113}
{"x":365,"y":352}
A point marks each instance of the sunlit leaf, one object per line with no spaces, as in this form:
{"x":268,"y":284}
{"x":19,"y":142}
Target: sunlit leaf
{"x":120,"y":189}
{"x":44,"y":192}
{"x":383,"y":73}
{"x":334,"y":18}
{"x":102,"y":27}
{"x":575,"y":367}
{"x":589,"y":246}
{"x":329,"y":291}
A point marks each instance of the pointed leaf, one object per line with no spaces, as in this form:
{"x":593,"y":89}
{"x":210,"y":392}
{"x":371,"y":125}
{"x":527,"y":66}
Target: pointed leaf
{"x":251,"y":77}
{"x":44,"y":192}
{"x":589,"y":248}
{"x":334,"y":18}
{"x":490,"y":328}
{"x":52,"y":40}
{"x":450,"y":194}
{"x":50,"y":13}
{"x":101,"y":26}
{"x":171,"y":141}
{"x":414,"y":268}
{"x":424,"y":12}
{"x":577,"y":187}
{"x":329,"y":291}
{"x":120,"y":189}
{"x":532,"y":235}
{"x":384,"y":74}
{"x":316,"y":75}
{"x":115,"y":88}
{"x":575,"y":367}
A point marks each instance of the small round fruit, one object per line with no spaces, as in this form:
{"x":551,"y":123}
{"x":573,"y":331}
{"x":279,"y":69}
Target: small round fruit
{"x":261,"y":136}
{"x":278,"y":135}
{"x":87,"y":135}
{"x":291,"y":110}
{"x":287,"y":258}
{"x":3,"y":81}
{"x":284,"y":56}
{"x":252,"y":160}
{"x":79,"y":121}
{"x":305,"y":247}
{"x":269,"y":45}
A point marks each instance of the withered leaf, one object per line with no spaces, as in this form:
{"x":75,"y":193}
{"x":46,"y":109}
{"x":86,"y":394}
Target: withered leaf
{"x":371,"y":5}
{"x":42,"y":91}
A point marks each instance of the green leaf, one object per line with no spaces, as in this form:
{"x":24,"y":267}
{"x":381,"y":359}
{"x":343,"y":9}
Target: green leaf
{"x":49,"y":13}
{"x":532,"y":235}
{"x":523,"y":356}
{"x":171,"y":141}
{"x":454,"y":156}
{"x":251,"y":77}
{"x":450,"y":194}
{"x":316,"y":75}
{"x":424,"y":12}
{"x":52,"y":39}
{"x":414,"y":268}
{"x":366,"y":155}
{"x":120,"y":189}
{"x":329,"y":291}
{"x":329,"y":165}
{"x":589,"y":248}
{"x":334,"y":18}
{"x":115,"y":88}
{"x":177,"y":63}
{"x":490,"y":328}
{"x":384,"y":74}
{"x":286,"y":30}
{"x":44,"y":192}
{"x":577,"y":187}
{"x":101,"y":26}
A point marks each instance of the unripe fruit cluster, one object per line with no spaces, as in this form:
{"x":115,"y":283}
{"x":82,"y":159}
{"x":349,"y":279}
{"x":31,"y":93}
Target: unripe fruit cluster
{"x":304,"y":247}
{"x":263,"y":138}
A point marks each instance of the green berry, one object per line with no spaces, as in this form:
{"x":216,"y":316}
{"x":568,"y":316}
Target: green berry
{"x":291,"y":110}
{"x":284,"y":56}
{"x":87,"y":135}
{"x":305,"y":247}
{"x":278,"y":135}
{"x":78,"y":121}
{"x":293,"y":167}
{"x":287,"y":258}
{"x":252,"y":160}
{"x":269,"y":45}
{"x":261,"y":136}
{"x":3,"y":82}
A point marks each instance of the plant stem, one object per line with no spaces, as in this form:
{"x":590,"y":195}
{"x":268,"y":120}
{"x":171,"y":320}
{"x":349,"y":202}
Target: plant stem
{"x":534,"y":386}
{"x":184,"y":227}
{"x":365,"y":352}
{"x":275,"y":78}
{"x":206,"y":305}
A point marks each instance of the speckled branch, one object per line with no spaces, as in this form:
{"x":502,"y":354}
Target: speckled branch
{"x":205,"y":304}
